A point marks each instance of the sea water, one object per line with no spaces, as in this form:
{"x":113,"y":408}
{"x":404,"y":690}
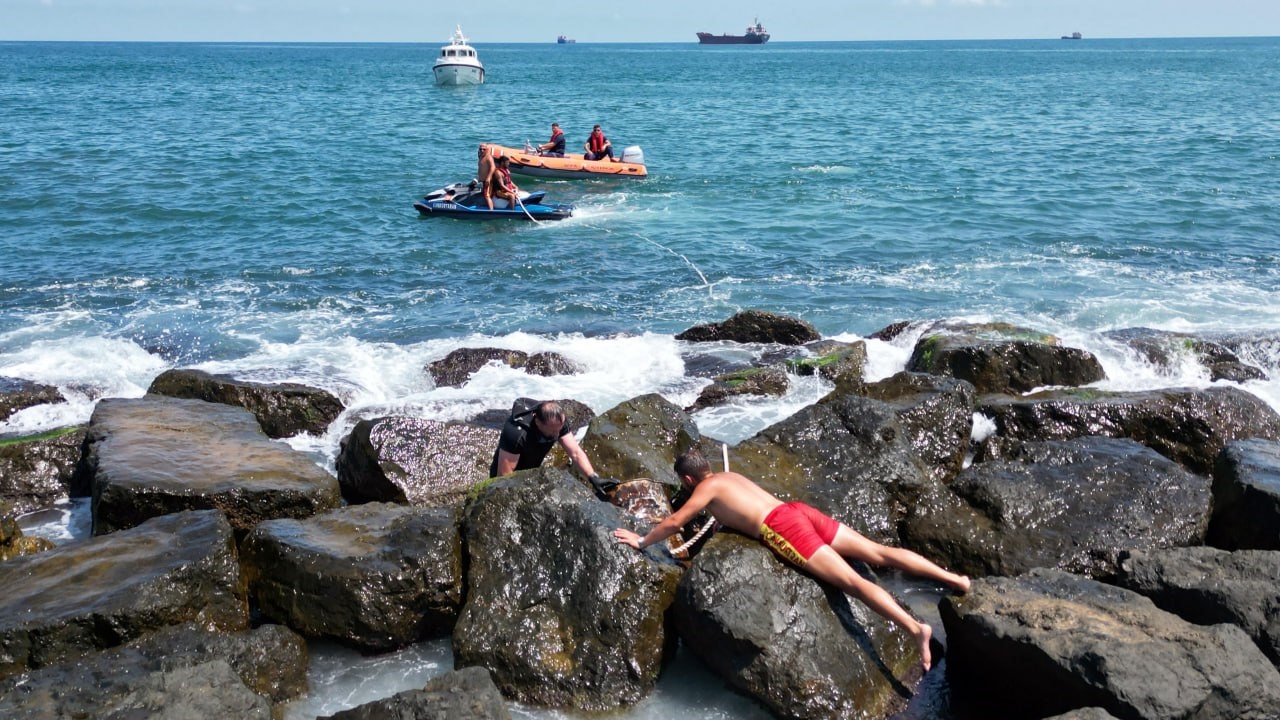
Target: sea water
{"x":247,"y":209}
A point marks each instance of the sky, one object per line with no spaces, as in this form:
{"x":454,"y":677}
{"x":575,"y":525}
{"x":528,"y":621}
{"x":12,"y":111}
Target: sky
{"x":487,"y":21}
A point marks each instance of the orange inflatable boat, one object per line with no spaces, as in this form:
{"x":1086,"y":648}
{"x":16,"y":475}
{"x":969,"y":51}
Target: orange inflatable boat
{"x":529,"y":162}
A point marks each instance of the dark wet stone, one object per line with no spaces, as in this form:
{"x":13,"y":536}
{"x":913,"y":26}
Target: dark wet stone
{"x":754,"y":326}
{"x":891,"y":331}
{"x":96,"y":594}
{"x":466,"y":694}
{"x":376,"y":576}
{"x":801,"y":648}
{"x":415,"y":461}
{"x":156,"y":455}
{"x":1074,"y":505}
{"x":1166,"y":349}
{"x":36,"y":471}
{"x":456,"y":368}
{"x":1208,"y":586}
{"x":754,"y":381}
{"x":837,"y":362}
{"x":283,"y":409}
{"x":1246,"y":496}
{"x":17,"y":394}
{"x":1049,"y":642}
{"x":709,"y":365}
{"x":937,"y":414}
{"x":1187,"y":425}
{"x":1004,"y":365}
{"x":270,"y":661}
{"x":640,"y":438}
{"x":560,"y":613}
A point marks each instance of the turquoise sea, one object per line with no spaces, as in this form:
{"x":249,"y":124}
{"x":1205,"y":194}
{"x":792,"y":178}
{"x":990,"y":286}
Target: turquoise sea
{"x":247,"y":208}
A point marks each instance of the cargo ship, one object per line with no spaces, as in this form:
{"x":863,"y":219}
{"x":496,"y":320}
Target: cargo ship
{"x":755,"y":35}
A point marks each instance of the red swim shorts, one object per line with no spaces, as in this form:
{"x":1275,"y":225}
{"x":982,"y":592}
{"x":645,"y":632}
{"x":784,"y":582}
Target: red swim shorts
{"x":796,"y":531}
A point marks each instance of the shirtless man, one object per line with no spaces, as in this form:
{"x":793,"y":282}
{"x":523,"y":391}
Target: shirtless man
{"x":800,"y":534}
{"x":484,"y":172}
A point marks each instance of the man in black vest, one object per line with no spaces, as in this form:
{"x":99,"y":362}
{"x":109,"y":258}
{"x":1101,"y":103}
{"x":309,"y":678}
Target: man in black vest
{"x":527,"y":437}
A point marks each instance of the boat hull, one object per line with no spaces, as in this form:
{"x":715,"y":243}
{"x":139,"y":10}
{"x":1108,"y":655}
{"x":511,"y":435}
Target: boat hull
{"x":752,"y":39}
{"x":569,"y":166}
{"x":458,"y":74}
{"x":464,"y":201}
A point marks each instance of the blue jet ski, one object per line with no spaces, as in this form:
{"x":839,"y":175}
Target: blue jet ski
{"x":464,"y":200}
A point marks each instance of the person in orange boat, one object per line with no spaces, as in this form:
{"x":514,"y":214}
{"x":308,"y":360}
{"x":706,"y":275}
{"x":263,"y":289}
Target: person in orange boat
{"x":597,"y":146}
{"x":555,"y":146}
{"x":801,"y":535}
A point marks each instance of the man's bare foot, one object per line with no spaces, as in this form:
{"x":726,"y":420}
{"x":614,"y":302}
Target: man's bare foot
{"x":922,"y":639}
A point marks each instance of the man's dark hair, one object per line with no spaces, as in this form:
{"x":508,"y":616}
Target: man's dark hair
{"x":549,"y":412}
{"x":693,"y":464}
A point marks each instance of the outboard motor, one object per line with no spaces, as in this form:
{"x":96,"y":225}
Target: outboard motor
{"x":633,"y":154}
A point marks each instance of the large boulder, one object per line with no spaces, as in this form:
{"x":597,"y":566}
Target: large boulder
{"x":754,"y":326}
{"x":1187,"y":425}
{"x":283,"y":409}
{"x":1049,"y":642}
{"x":1208,"y":586}
{"x":269,"y":662}
{"x":1073,"y":504}
{"x":18,"y":394}
{"x":155,"y":455}
{"x":801,"y":648}
{"x":412,"y":460}
{"x":456,"y":368}
{"x":36,"y":470}
{"x":13,"y":543}
{"x":1246,"y":496}
{"x":936,"y":412}
{"x":558,"y":610}
{"x":850,"y":456}
{"x":640,"y":437}
{"x":1004,"y":359}
{"x":1166,"y":350}
{"x":376,"y":576}
{"x":100,"y":593}
{"x":840,"y":363}
{"x":466,"y":694}
{"x":770,"y":381}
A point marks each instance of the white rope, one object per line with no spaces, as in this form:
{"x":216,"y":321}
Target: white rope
{"x":711,"y":524}
{"x":522,"y":207}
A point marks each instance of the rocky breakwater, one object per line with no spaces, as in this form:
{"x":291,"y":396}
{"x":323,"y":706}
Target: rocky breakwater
{"x":282,"y":409}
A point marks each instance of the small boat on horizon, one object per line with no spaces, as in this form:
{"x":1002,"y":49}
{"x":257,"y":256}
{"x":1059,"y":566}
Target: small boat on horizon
{"x":755,"y":35}
{"x":565,"y":40}
{"x":458,"y":63}
{"x":1073,"y":36}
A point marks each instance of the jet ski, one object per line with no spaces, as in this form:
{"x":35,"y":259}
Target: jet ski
{"x":465,"y":200}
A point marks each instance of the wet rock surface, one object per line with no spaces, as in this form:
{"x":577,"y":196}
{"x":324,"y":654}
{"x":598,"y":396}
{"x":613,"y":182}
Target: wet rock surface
{"x":100,"y":593}
{"x":754,"y":326}
{"x":1166,"y":350}
{"x":838,"y":362}
{"x":18,"y":394}
{"x":802,"y":649}
{"x":466,"y":694}
{"x":1073,"y":504}
{"x":556,"y":609}
{"x":456,"y":368}
{"x":937,"y":414}
{"x":1246,"y":496}
{"x":162,"y":671}
{"x":416,"y":461}
{"x":282,"y":409}
{"x":1208,"y":586}
{"x":753,"y":381}
{"x":36,"y":471}
{"x":1000,"y":359}
{"x":1185,"y":425}
{"x":640,"y":437}
{"x":1050,"y":642}
{"x":376,"y":576}
{"x":152,"y":456}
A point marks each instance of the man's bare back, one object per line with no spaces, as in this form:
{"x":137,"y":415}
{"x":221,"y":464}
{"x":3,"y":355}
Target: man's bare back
{"x":734,"y":500}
